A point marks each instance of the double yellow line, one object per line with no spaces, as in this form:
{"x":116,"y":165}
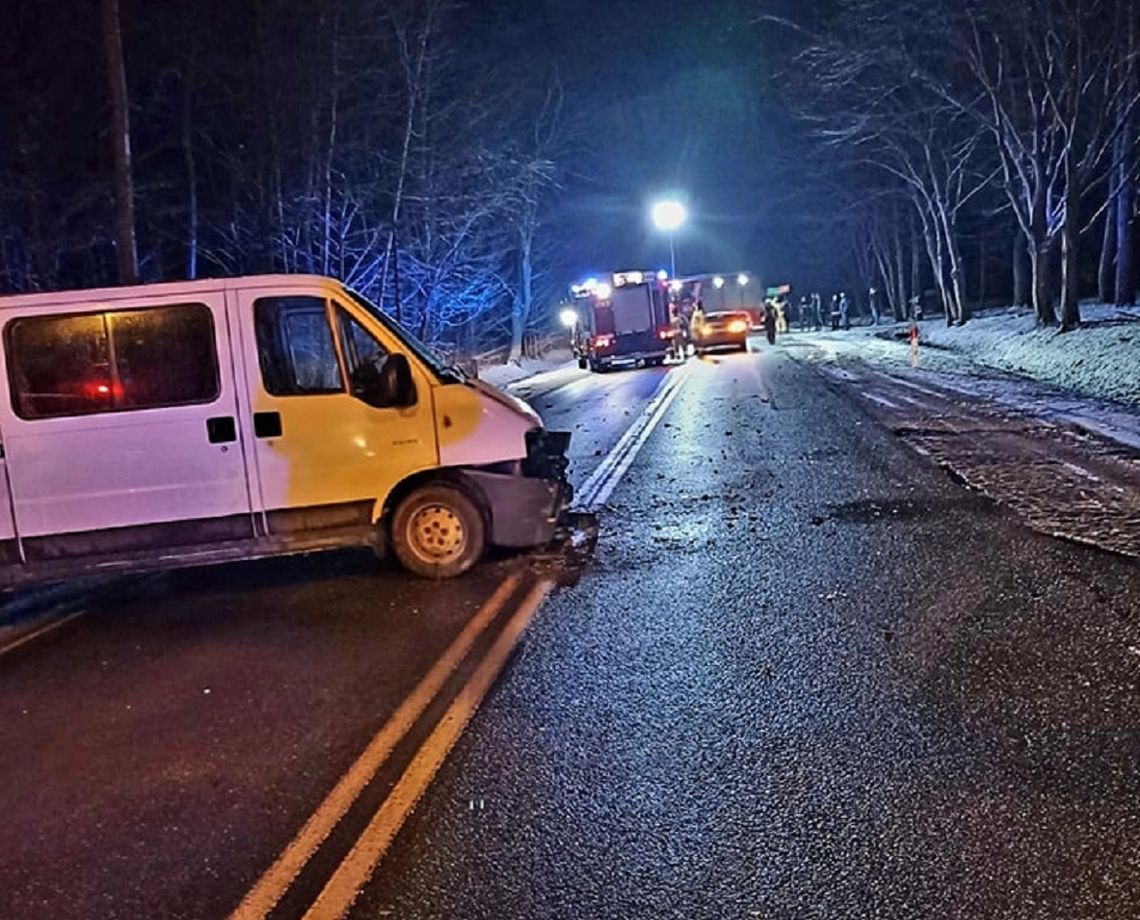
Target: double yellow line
{"x":355,"y":869}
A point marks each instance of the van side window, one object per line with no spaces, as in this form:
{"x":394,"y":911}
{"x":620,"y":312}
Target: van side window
{"x":86,"y":363}
{"x":363,"y":355}
{"x":164,"y":356}
{"x":295,"y":346}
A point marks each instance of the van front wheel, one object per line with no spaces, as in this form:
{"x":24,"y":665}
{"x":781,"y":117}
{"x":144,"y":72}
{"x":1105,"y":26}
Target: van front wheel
{"x":438,"y":532}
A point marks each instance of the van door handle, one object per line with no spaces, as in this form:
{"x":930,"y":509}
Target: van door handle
{"x":221,"y":429}
{"x":267,"y":424}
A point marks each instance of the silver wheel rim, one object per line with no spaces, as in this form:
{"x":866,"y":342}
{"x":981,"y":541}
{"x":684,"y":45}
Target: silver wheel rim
{"x":436,"y":534}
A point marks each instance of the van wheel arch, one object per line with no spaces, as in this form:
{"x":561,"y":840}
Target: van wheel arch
{"x":426,"y":478}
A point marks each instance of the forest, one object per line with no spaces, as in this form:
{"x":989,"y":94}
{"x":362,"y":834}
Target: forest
{"x":974,"y":145}
{"x":440,"y":156}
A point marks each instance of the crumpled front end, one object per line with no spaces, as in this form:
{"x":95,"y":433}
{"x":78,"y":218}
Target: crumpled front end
{"x":526,"y":506}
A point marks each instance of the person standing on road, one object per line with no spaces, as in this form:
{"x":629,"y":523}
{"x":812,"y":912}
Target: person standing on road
{"x":834,"y":312}
{"x":844,"y":311}
{"x":781,"y":316}
{"x":873,"y":303}
{"x":770,"y":321}
{"x":804,"y":308}
{"x":817,"y":310}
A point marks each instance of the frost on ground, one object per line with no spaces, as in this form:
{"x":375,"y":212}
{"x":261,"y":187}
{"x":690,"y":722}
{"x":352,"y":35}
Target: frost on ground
{"x":502,"y":375}
{"x":1102,"y":359}
{"x":1086,"y":379}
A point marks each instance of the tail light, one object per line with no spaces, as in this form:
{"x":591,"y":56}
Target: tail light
{"x":602,"y":341}
{"x":665,"y":332}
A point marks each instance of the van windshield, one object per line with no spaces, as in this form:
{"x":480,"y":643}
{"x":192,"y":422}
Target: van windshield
{"x":441,"y":370}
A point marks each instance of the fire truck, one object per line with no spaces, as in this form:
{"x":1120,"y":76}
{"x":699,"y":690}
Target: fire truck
{"x":624,"y":319}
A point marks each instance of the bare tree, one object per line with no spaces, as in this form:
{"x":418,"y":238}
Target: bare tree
{"x":1050,"y":83}
{"x":122,"y":182}
{"x":869,"y":105}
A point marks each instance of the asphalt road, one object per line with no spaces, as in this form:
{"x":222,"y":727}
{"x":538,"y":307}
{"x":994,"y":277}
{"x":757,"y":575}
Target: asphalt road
{"x":805,"y":675}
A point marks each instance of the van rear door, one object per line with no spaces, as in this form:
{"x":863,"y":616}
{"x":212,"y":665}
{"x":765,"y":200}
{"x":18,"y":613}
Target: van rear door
{"x":121,"y":427}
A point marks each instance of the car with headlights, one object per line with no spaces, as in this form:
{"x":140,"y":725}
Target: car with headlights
{"x":725,"y":329}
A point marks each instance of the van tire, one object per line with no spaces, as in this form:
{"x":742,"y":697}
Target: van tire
{"x":438,"y":532}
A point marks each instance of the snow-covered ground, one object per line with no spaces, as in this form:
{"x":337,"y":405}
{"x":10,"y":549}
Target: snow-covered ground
{"x":1101,"y":360}
{"x":1088,"y":379}
{"x":502,"y":375}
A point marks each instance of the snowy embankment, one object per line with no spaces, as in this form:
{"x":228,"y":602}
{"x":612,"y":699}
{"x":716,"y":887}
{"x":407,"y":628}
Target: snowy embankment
{"x":502,"y":375}
{"x":1101,"y":359}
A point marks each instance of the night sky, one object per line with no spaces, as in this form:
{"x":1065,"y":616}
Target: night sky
{"x":678,"y":99}
{"x":660,"y":97}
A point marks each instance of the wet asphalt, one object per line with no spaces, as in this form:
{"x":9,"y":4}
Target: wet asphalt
{"x":159,"y":751}
{"x":806,"y":675}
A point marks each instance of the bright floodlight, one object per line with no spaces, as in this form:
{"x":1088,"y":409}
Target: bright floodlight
{"x":603,"y":291}
{"x":718,"y":282}
{"x":568,"y":318}
{"x":668,"y":215}
{"x":742,"y":280}
{"x":662,"y":275}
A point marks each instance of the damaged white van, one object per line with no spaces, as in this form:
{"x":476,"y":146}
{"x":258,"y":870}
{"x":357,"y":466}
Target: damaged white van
{"x":207,"y":421}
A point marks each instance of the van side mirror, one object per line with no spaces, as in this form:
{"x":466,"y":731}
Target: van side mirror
{"x":397,"y":388}
{"x":392,"y":387}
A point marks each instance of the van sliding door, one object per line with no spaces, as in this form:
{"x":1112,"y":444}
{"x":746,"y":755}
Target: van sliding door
{"x":121,"y":428}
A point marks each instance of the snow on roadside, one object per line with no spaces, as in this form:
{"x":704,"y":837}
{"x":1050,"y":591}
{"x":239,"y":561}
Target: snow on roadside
{"x":502,"y":375}
{"x":1102,"y":359}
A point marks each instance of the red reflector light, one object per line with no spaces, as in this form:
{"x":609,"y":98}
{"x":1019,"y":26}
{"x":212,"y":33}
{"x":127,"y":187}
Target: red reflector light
{"x":665,"y":332}
{"x":603,"y":341}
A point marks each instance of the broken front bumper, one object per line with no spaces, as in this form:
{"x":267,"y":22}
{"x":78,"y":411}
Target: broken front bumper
{"x":525,"y":509}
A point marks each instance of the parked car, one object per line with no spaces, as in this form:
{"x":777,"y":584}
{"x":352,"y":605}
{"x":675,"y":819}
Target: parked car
{"x":727,"y":329}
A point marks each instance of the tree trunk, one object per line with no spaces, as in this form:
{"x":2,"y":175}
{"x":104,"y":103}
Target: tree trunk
{"x":1041,"y":267}
{"x":330,"y":144}
{"x":934,"y":252}
{"x":1125,"y":281}
{"x":900,"y":268}
{"x":125,"y":247}
{"x":915,"y":262}
{"x":414,"y":86}
{"x":982,"y":270}
{"x":520,"y":313}
{"x":957,"y":276}
{"x":1070,"y":250}
{"x":956,"y":290}
{"x":191,"y":181}
{"x":1020,"y":271}
{"x":1106,"y":274}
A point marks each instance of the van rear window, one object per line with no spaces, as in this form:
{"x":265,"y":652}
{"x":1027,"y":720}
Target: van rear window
{"x":115,"y":361}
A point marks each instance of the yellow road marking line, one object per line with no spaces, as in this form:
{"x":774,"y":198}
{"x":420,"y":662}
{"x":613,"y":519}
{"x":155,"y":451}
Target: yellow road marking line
{"x":41,"y":631}
{"x":264,"y":895}
{"x":352,"y":874}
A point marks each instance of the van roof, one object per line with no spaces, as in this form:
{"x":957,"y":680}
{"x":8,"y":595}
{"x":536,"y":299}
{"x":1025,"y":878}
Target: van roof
{"x":163,"y":289}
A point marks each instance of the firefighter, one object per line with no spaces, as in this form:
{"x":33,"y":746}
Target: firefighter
{"x":770,"y":321}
